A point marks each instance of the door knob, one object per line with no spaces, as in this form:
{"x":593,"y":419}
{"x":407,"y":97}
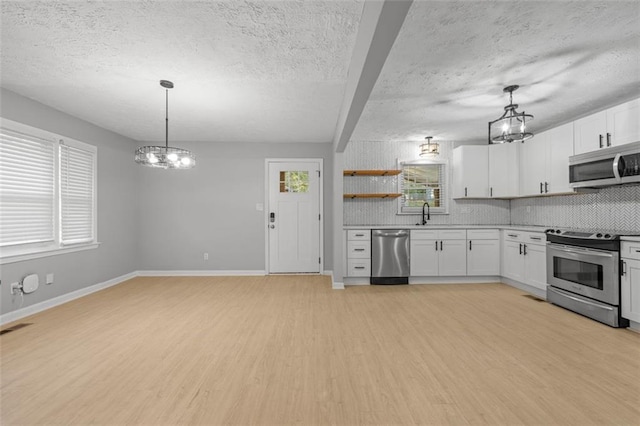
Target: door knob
{"x":272,"y":226}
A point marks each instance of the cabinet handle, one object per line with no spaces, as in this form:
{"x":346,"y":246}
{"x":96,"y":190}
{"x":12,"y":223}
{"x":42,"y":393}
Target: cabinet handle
{"x":525,"y":249}
{"x":541,"y":188}
{"x":491,"y":191}
{"x":465,"y":191}
{"x":536,"y":238}
{"x":440,"y":245}
{"x":520,"y":248}
{"x":608,"y":139}
{"x":600,"y":136}
{"x":358,"y":249}
{"x":469,"y":245}
{"x":436,"y":246}
{"x":512,"y":235}
{"x":358,"y":267}
{"x":359,"y":235}
{"x":546,"y":187}
{"x":624,"y":268}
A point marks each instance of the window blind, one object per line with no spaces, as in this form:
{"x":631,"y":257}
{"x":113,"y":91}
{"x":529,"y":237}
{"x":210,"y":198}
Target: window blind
{"x":420,"y":183}
{"x":77,"y":173}
{"x":27,"y":189}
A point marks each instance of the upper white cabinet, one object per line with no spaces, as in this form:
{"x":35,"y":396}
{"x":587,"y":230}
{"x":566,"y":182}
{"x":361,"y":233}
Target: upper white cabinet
{"x":504,"y":161}
{"x":544,"y":162}
{"x":471,"y":171}
{"x":615,"y":126}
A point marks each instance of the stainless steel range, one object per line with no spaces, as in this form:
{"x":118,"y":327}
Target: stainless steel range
{"x":583,"y":273}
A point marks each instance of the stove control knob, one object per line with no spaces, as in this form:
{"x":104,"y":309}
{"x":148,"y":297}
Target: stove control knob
{"x":558,"y":231}
{"x":607,"y":235}
{"x":598,"y":235}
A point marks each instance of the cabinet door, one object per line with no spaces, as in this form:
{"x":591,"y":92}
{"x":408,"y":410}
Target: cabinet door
{"x":483,"y":257}
{"x":504,"y":176}
{"x":623,"y":123}
{"x":533,"y":165}
{"x":452,"y":258}
{"x":535,"y":266}
{"x":590,"y":132}
{"x":513,"y":261}
{"x":424,"y":258}
{"x":630,"y":290}
{"x":471,"y":171}
{"x":559,"y":149}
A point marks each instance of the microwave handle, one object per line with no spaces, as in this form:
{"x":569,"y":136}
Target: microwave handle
{"x":616,"y":164}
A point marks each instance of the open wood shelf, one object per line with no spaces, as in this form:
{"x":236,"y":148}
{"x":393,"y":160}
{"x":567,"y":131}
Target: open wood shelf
{"x":371,"y":172}
{"x":352,"y":196}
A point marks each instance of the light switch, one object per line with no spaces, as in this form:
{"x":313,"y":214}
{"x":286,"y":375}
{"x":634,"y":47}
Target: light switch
{"x":49,"y":279}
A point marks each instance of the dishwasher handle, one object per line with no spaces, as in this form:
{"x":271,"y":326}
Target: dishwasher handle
{"x":393,"y":233}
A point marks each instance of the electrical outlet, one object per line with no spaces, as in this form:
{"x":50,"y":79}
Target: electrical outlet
{"x":49,"y":279}
{"x":206,"y":256}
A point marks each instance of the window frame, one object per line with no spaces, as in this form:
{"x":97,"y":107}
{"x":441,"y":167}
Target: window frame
{"x":27,"y":251}
{"x":444,"y":187}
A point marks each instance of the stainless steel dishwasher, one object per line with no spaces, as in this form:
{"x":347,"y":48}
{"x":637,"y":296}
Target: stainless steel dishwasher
{"x":389,"y":256}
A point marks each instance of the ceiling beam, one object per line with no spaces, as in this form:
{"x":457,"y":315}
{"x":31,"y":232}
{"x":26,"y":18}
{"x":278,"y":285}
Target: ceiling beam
{"x":380,"y":24}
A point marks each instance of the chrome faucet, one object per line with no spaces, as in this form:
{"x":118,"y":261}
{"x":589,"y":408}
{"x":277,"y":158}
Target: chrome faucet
{"x":424,"y":221}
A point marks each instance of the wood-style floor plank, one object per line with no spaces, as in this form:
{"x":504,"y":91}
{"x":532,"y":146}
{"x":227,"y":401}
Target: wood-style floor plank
{"x":282,"y":350}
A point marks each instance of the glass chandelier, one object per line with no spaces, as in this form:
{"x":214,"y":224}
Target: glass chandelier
{"x":429,"y":149}
{"x":165,"y":157}
{"x":512,"y":126}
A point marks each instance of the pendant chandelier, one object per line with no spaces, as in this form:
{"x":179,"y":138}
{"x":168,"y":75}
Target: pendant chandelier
{"x":165,"y":157}
{"x":429,"y":149}
{"x":512,"y":126}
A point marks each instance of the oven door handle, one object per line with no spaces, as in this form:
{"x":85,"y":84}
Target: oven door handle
{"x":586,"y":302}
{"x":578,"y":250}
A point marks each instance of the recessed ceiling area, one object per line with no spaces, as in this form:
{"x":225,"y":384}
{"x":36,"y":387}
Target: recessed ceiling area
{"x":276,"y":71}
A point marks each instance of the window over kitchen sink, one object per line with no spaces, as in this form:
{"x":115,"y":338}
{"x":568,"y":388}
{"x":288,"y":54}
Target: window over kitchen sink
{"x":420,"y":182}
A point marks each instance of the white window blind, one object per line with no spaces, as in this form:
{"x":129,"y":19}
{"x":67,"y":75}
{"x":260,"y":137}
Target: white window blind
{"x":420,"y":183}
{"x":77,"y":173}
{"x":27,"y":188}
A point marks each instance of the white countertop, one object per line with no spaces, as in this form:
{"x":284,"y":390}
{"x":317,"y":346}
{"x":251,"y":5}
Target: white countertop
{"x":634,"y":238}
{"x":527,"y":228}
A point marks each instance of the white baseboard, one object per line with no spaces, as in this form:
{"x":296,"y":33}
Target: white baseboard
{"x":59,"y":300}
{"x":213,"y":273}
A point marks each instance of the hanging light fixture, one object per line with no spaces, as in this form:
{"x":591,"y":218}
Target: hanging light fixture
{"x":165,"y":157}
{"x":512,"y":125}
{"x":429,"y":149}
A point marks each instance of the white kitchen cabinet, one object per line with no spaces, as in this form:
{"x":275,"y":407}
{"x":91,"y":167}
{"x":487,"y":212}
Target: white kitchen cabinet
{"x":524,"y":258}
{"x":618,"y":125}
{"x":483,"y":252}
{"x":439,"y":252}
{"x":630,"y":280}
{"x":358,"y":253}
{"x":544,"y":162}
{"x":504,"y":173}
{"x":471,"y":171}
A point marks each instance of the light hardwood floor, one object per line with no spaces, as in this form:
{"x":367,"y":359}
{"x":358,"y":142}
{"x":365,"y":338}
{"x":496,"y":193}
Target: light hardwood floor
{"x":288,"y":349}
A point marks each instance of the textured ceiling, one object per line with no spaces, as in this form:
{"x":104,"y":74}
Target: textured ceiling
{"x":445,"y":74}
{"x":275,"y":71}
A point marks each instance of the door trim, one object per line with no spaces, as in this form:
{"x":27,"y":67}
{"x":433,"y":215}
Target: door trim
{"x":267,"y":207}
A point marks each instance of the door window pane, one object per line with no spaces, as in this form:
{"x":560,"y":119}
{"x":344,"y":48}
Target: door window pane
{"x":294,"y":181}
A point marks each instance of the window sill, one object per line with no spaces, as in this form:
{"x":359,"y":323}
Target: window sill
{"x":32,"y":254}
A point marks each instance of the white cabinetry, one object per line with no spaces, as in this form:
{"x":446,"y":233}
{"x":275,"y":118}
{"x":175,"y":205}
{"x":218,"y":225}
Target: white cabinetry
{"x":483,"y":252}
{"x":358,"y":253}
{"x":471,"y":171}
{"x":439,"y":252}
{"x":615,"y":126}
{"x":630,"y":280}
{"x":544,"y":162}
{"x":524,"y":258}
{"x":504,"y":172}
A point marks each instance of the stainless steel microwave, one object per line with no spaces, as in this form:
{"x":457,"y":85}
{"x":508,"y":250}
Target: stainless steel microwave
{"x":609,"y":166}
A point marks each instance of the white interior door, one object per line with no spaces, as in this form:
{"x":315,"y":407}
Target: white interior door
{"x":293,"y":217}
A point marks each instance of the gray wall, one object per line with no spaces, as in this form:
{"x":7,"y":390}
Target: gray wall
{"x":212,"y":208}
{"x":117,"y":191}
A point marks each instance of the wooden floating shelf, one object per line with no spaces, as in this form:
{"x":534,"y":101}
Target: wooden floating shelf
{"x":352,"y":196}
{"x":371,"y":172}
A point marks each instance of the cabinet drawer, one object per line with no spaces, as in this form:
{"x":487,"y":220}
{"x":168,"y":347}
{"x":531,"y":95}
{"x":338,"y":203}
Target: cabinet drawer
{"x":630,"y":250}
{"x":535,"y":238}
{"x":359,"y":267}
{"x":359,"y":249}
{"x":512,"y":235}
{"x":483,"y":234}
{"x":359,"y":235}
{"x":424,"y":235}
{"x":452,"y":234}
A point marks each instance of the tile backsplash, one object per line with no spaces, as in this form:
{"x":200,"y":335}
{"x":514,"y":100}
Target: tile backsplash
{"x":614,"y":208}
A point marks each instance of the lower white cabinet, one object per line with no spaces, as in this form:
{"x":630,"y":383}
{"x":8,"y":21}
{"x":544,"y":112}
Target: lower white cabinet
{"x":483,"y":252}
{"x":630,"y":280}
{"x":438,"y":252}
{"x":524,"y":258}
{"x":358,"y":253}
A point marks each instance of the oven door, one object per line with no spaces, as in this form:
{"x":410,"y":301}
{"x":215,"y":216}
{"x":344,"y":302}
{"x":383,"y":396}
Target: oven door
{"x":589,"y":272}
